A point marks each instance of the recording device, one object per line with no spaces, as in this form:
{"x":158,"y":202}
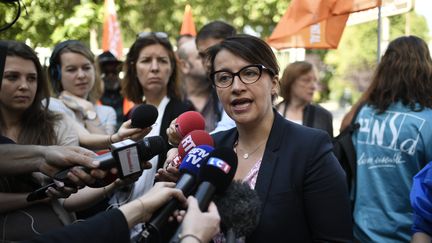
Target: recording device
{"x":188,"y":122}
{"x":239,"y":208}
{"x":144,"y":116}
{"x":216,"y":175}
{"x":189,"y":168}
{"x":190,"y":141}
{"x":127,"y":156}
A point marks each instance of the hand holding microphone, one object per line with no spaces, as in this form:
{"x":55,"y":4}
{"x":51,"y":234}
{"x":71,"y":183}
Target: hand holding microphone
{"x":184,"y":124}
{"x":175,"y":156}
{"x":142,"y":118}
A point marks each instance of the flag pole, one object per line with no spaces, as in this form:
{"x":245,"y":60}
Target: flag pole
{"x":379,"y":35}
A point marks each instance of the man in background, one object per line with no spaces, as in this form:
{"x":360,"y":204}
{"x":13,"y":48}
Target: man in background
{"x":110,"y":68}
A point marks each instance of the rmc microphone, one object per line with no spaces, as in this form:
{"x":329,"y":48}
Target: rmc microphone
{"x":189,"y":121}
{"x":190,"y":167}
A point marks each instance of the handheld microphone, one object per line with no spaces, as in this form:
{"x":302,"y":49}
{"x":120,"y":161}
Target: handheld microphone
{"x":216,"y":175}
{"x":126,"y":155}
{"x":190,"y":141}
{"x":144,"y":116}
{"x":188,"y":122}
{"x":189,"y":168}
{"x":239,"y":208}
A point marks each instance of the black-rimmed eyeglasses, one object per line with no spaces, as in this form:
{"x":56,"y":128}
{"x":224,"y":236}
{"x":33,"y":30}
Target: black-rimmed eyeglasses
{"x":160,"y":35}
{"x":248,"y":75}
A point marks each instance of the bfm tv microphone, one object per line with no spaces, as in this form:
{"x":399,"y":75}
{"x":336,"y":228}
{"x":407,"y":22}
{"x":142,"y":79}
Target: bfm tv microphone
{"x":216,"y":175}
{"x":239,"y":208}
{"x":189,"y":168}
{"x":189,"y":121}
{"x":190,"y":141}
{"x":126,"y":155}
{"x":143,"y":116}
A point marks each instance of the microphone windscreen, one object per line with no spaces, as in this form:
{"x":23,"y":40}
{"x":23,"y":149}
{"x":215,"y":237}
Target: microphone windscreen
{"x":193,"y":160}
{"x":144,"y":116}
{"x":188,"y":122}
{"x":193,"y":139}
{"x":219,"y":168}
{"x":239,"y":208}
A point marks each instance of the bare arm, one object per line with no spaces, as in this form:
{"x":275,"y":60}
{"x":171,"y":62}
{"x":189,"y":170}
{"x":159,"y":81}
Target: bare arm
{"x":420,"y":237}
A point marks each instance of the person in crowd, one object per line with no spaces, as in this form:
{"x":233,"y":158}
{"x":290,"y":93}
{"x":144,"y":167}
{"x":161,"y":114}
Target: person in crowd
{"x":24,"y":119}
{"x":110,"y":68}
{"x":209,"y":35}
{"x":113,"y":225}
{"x":298,"y":85}
{"x":181,"y":39}
{"x":76,"y":83}
{"x":151,"y":78}
{"x":421,"y":202}
{"x":199,"y":89}
{"x":392,"y":142}
{"x":292,"y":167}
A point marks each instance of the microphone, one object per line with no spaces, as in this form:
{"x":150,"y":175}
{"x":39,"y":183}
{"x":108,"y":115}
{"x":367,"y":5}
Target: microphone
{"x":188,"y":122}
{"x":190,"y":141}
{"x":215,"y":176}
{"x":144,"y":116}
{"x":239,"y":208}
{"x":126,"y":155}
{"x":189,"y":168}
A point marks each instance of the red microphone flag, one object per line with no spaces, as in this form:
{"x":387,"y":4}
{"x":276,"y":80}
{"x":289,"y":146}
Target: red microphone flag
{"x":111,"y":38}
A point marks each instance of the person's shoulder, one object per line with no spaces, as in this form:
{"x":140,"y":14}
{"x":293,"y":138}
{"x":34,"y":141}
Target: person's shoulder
{"x":321,"y":110}
{"x":296,"y":132}
{"x":223,"y":136}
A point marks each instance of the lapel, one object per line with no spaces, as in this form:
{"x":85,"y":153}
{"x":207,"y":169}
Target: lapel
{"x":270,"y":157}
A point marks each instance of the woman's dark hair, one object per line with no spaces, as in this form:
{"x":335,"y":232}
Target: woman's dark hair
{"x":404,"y":74}
{"x":131,"y":88}
{"x":247,"y":47}
{"x":37,"y":123}
{"x":215,"y":30}
{"x":291,"y":73}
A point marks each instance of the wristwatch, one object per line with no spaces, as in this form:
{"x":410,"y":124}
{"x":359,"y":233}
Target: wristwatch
{"x":90,"y":115}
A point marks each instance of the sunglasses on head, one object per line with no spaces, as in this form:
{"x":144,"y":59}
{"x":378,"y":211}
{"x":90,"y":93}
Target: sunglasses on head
{"x":161,"y":35}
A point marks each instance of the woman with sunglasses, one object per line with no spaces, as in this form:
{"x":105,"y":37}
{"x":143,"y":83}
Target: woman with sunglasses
{"x":298,"y":179}
{"x":151,"y":78}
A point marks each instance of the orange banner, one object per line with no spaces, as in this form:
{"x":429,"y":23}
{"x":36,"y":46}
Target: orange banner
{"x":111,"y":38}
{"x":188,"y":25}
{"x":315,"y":24}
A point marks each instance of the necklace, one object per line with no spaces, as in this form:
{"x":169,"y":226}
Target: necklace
{"x":246,"y":155}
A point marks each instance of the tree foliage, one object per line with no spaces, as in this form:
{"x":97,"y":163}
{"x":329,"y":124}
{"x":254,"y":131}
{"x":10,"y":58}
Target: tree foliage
{"x":48,"y":22}
{"x":356,"y":57}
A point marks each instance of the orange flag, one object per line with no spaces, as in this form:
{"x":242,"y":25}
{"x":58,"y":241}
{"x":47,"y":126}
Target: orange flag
{"x":111,"y":38}
{"x":315,"y":24}
{"x":188,"y":26}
